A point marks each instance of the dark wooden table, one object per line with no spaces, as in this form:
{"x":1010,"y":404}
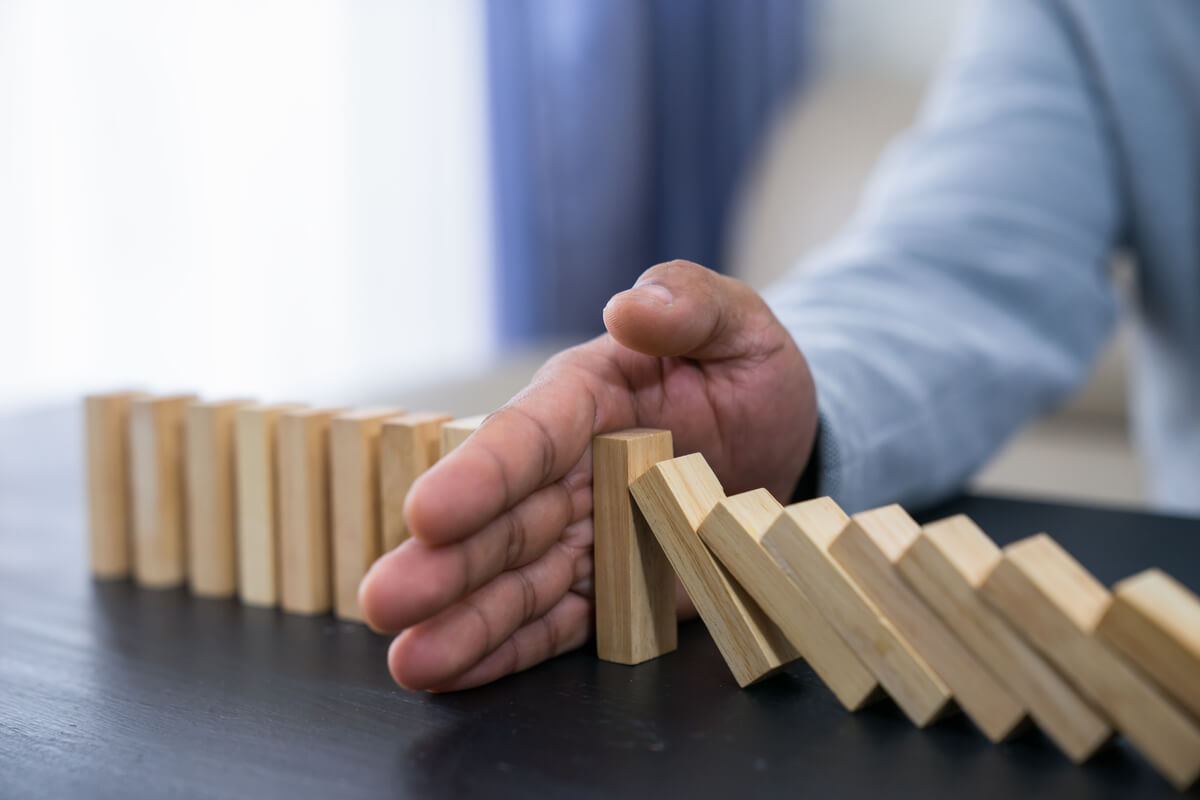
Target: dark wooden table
{"x":111,"y":691}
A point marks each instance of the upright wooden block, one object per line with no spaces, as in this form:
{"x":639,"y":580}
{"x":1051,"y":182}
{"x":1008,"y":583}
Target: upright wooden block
{"x":946,"y":565}
{"x":635,"y":585}
{"x":734,"y":531}
{"x":159,"y":503}
{"x":357,"y":542}
{"x":256,"y":455}
{"x":456,"y":431}
{"x":1155,"y":622}
{"x":799,"y":542}
{"x":304,"y":518}
{"x":1057,"y":605}
{"x":675,"y":496}
{"x":211,"y":486}
{"x":868,"y":548}
{"x":408,"y":445}
{"x":106,"y":421}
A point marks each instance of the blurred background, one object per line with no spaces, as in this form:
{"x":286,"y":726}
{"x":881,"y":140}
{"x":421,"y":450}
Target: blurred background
{"x":413,"y":201}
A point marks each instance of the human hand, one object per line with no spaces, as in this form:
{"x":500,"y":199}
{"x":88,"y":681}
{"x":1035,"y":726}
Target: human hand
{"x":498,"y":574}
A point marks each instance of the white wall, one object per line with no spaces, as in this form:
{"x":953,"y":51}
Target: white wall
{"x":281,"y":198}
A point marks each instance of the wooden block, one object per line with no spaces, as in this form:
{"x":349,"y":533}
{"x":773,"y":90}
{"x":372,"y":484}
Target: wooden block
{"x":799,"y":542}
{"x":868,"y":548}
{"x":156,"y":465}
{"x":734,"y":531}
{"x":212,"y":516}
{"x":354,"y":487}
{"x":408,"y":445}
{"x":946,"y":565}
{"x":635,"y":585}
{"x":256,"y":456}
{"x":304,"y":518}
{"x":106,"y":421}
{"x":456,"y":431}
{"x":675,"y":496}
{"x":1155,"y":622}
{"x":1056,"y":605}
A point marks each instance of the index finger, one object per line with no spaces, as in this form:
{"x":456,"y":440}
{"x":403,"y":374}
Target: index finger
{"x":531,"y":442}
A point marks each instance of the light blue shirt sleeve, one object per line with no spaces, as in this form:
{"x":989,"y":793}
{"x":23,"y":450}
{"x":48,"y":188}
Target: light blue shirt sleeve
{"x":971,"y":291}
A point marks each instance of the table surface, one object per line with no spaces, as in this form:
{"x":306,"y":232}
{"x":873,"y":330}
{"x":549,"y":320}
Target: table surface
{"x":111,"y":691}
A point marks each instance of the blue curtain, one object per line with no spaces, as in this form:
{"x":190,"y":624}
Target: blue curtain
{"x":620,"y":131}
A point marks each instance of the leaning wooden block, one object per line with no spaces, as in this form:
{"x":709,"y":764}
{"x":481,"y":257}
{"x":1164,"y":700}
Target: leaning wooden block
{"x":799,"y":542}
{"x":734,"y":531}
{"x":408,"y":445}
{"x":304,"y":519}
{"x":106,"y":419}
{"x":675,"y":496}
{"x":456,"y":431}
{"x":212,"y":516}
{"x":354,"y":481}
{"x":1155,"y":622}
{"x":869,"y":548}
{"x":635,"y":585}
{"x":1056,"y":604}
{"x":257,"y":470}
{"x":156,"y":465}
{"x":946,"y":565}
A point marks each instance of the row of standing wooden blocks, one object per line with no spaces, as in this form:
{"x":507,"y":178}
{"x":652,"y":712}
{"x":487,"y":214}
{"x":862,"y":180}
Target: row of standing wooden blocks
{"x":279,"y":504}
{"x":877,"y":604}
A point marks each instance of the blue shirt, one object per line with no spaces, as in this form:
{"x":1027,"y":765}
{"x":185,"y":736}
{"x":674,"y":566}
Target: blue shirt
{"x":972,"y":290}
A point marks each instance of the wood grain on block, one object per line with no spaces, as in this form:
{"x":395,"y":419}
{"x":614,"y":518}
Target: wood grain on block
{"x":304,"y":516}
{"x":675,"y":496}
{"x":634,"y":582}
{"x":211,"y":490}
{"x":456,"y":431}
{"x":799,"y":542}
{"x":1155,"y":622}
{"x":109,"y":489}
{"x":408,"y":445}
{"x":1056,"y":604}
{"x":869,"y":548}
{"x":947,"y":565}
{"x":734,"y":531}
{"x":257,"y":475}
{"x":156,"y":457}
{"x":357,"y":539}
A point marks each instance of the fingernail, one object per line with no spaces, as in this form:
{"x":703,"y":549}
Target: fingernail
{"x":657,"y":291}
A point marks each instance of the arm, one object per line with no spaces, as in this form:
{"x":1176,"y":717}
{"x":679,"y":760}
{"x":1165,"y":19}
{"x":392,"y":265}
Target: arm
{"x":971,"y":290}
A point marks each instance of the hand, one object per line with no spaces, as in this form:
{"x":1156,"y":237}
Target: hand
{"x":498,"y":574}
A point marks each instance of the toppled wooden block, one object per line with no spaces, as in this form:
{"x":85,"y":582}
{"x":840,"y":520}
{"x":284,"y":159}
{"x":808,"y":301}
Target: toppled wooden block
{"x":1056,"y":604}
{"x":734,"y":531}
{"x":675,"y":496}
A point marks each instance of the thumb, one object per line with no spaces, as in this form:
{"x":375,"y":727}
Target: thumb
{"x":682,"y":309}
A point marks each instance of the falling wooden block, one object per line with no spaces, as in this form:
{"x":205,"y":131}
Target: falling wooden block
{"x":212,"y":516}
{"x":675,"y":496}
{"x":634,"y":583}
{"x":354,"y":487}
{"x":946,"y":565}
{"x":1155,"y":622}
{"x":408,"y":445}
{"x":456,"y":431}
{"x":869,"y":548}
{"x":156,"y":465}
{"x":799,"y":541}
{"x":257,"y":471}
{"x":304,"y":518}
{"x":1057,"y":605}
{"x":734,"y":531}
{"x":106,"y":420}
